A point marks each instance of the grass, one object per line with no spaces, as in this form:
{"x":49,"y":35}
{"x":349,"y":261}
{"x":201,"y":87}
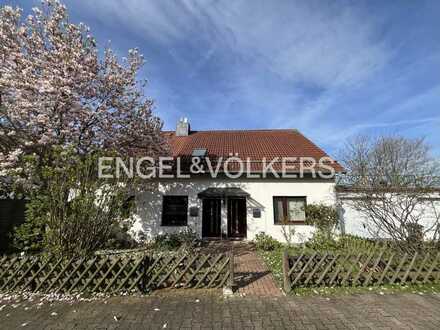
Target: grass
{"x":274,"y":261}
{"x":382,"y":290}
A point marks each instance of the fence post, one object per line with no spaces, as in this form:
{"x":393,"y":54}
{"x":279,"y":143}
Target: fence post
{"x":286,"y":277}
{"x":231,"y":271}
{"x":145,"y":265}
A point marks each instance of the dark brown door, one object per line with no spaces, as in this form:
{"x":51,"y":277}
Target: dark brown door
{"x":211,"y":217}
{"x":237,"y":217}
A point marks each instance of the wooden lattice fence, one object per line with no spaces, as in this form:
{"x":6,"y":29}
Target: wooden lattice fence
{"x":191,"y":271}
{"x":137,"y":272}
{"x":362,"y":269}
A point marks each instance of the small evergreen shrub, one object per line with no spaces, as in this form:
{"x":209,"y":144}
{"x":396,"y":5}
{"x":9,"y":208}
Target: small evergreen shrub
{"x":321,"y":241}
{"x":323,"y":217}
{"x":266,"y":242}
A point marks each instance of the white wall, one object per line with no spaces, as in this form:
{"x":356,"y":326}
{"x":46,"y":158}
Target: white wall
{"x":356,"y":223}
{"x":262,"y":191}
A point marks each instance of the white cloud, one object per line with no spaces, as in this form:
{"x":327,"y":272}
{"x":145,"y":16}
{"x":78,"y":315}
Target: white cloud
{"x":356,"y":129}
{"x":308,"y":42}
{"x":334,"y":50}
{"x":328,"y":47}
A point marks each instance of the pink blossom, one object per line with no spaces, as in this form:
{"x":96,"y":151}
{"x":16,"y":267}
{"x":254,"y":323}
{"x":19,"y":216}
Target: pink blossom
{"x":55,"y":89}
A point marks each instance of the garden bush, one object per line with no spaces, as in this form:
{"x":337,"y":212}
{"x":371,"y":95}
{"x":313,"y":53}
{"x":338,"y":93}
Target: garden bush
{"x":173,"y":241}
{"x":120,"y":238}
{"x":266,"y":242}
{"x":321,"y":241}
{"x":352,"y":243}
{"x":75,"y":211}
{"x":323,"y":217}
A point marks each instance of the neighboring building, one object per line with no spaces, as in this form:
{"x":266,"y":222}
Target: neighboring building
{"x":234,"y":208}
{"x":354,"y":222}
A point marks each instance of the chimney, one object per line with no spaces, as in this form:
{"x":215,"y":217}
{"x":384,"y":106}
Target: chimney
{"x":182,"y":128}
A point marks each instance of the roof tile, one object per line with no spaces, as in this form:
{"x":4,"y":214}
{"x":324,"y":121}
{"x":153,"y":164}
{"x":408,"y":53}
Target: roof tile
{"x":252,"y":144}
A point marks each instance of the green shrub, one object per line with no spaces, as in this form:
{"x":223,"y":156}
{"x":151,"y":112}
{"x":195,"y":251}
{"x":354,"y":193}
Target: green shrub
{"x":29,"y":236}
{"x":266,"y":242}
{"x":73,"y":211}
{"x":323,"y":217}
{"x":321,"y":241}
{"x":343,"y":244}
{"x":173,"y":241}
{"x":165,"y":242}
{"x":119,"y":238}
{"x":356,"y":244}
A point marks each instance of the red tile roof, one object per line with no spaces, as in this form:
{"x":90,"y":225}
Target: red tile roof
{"x":252,"y":144}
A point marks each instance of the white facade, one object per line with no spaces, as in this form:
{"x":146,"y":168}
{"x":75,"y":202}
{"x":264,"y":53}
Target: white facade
{"x":148,"y":217}
{"x":355,"y":223}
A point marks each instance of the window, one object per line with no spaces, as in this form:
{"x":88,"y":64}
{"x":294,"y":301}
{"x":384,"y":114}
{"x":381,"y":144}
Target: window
{"x":175,"y":211}
{"x":289,"y":210}
{"x":199,"y":152}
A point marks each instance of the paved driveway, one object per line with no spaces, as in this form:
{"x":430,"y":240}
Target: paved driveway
{"x":194,"y":310}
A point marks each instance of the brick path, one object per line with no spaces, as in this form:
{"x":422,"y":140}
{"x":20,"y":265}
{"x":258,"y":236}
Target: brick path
{"x":208,"y":310}
{"x":252,"y":278}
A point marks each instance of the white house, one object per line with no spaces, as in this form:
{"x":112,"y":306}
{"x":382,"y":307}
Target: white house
{"x":225,"y":207}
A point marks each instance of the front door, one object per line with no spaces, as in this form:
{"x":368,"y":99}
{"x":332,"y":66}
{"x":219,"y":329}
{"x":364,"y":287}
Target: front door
{"x":211,"y":217}
{"x":237,"y":217}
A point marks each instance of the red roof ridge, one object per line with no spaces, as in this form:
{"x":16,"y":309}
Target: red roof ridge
{"x":240,"y":130}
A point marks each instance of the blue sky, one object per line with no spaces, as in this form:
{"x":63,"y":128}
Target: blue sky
{"x":332,"y":69}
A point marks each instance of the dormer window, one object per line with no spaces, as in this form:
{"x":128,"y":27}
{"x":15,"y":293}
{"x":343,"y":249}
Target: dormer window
{"x":199,"y":152}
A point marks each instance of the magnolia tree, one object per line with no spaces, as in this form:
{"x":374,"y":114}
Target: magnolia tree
{"x":58,"y":93}
{"x":393,"y":183}
{"x":57,"y":90}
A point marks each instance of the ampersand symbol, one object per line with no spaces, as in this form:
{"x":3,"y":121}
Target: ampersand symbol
{"x":196,"y":166}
